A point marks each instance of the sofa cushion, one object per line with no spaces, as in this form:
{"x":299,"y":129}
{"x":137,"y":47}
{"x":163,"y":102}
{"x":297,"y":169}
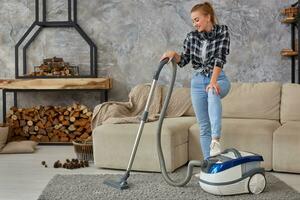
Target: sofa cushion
{"x":253,"y":135}
{"x":252,"y":100}
{"x":286,"y":148}
{"x":113,"y":144}
{"x":290,"y":104}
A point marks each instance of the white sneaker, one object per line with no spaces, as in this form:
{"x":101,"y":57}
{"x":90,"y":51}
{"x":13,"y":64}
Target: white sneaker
{"x":215,"y":148}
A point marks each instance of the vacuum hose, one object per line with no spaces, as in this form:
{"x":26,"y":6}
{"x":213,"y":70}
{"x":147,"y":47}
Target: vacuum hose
{"x":122,"y":182}
{"x":192,"y":163}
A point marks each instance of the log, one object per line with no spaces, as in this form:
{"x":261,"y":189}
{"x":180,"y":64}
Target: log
{"x":80,"y":129}
{"x":76,"y":114}
{"x":16,"y":124}
{"x":50,"y":135}
{"x":64,"y":139}
{"x":89,"y":114}
{"x":55,"y":121}
{"x":49,"y":130}
{"x":26,"y":129}
{"x":55,"y":138}
{"x":29,"y":123}
{"x":31,"y":128}
{"x":22,"y":123}
{"x":39,"y":136}
{"x":82,"y":107}
{"x":72,"y":127}
{"x":77,"y":133}
{"x":58,"y":126}
{"x":84,"y":136}
{"x":84,"y":116}
{"x":32,"y":133}
{"x":81,"y":122}
{"x":14,"y":117}
{"x":48,"y":124}
{"x":72,"y":119}
{"x":44,"y":139}
{"x":42,"y":132}
{"x":34,"y":138}
{"x":40,"y":124}
{"x":61,"y":118}
{"x":66,"y":122}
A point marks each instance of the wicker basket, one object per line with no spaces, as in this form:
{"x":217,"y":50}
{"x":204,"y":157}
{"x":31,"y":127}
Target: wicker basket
{"x":84,"y":150}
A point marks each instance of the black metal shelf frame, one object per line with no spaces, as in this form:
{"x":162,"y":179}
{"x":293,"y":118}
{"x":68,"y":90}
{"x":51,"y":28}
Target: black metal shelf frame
{"x":295,"y":25}
{"x":71,"y":23}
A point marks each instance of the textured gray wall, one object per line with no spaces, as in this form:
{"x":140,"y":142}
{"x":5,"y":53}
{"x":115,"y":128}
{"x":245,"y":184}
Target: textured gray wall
{"x":131,"y":35}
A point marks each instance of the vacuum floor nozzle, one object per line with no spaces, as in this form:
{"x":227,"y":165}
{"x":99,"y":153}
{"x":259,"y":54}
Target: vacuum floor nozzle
{"x":118,"y":184}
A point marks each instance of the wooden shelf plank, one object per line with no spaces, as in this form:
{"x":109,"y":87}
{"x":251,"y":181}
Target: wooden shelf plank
{"x":54,"y":84}
{"x":288,"y":52}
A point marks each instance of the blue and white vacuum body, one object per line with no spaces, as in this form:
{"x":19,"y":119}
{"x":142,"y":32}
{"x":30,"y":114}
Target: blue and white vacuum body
{"x":233,"y":172}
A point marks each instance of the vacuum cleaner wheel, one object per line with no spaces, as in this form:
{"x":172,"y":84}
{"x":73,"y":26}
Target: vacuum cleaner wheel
{"x":257,"y":183}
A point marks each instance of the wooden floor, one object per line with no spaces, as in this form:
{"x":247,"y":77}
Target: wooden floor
{"x":22,"y":176}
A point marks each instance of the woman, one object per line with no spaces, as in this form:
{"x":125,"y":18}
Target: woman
{"x":207,"y":48}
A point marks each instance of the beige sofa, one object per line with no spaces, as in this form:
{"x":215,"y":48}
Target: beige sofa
{"x":258,"y":117}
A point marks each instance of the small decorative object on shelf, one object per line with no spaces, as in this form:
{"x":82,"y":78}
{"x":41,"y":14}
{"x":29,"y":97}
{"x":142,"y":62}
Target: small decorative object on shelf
{"x":55,"y":67}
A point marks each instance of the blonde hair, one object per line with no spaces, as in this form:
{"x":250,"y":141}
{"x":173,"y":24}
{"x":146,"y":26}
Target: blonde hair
{"x":206,"y":9}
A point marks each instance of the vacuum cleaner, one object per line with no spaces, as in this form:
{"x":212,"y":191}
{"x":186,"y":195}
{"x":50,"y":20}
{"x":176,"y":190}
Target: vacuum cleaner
{"x":228,"y":173}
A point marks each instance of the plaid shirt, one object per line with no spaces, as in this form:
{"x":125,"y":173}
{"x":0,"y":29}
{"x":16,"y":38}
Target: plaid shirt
{"x":206,"y":49}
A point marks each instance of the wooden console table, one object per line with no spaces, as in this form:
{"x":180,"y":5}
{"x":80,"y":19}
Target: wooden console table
{"x":53,"y":84}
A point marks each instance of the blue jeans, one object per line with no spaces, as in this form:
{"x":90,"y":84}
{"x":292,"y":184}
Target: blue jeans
{"x":208,"y":107}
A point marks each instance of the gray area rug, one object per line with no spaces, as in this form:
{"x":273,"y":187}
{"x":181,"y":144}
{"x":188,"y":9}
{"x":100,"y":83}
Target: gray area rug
{"x":150,"y":186}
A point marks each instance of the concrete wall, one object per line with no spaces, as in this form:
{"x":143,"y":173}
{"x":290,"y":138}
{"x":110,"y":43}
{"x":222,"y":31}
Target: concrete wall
{"x":131,"y":35}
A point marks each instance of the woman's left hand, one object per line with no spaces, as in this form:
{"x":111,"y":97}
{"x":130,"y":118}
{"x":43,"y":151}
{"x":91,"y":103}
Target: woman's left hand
{"x":214,"y":85}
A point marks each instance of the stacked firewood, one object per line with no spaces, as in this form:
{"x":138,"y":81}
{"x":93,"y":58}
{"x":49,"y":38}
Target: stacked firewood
{"x":51,"y":123}
{"x":291,"y":14}
{"x":55,"y":67}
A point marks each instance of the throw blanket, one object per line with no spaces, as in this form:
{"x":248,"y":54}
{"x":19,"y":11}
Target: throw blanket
{"x":114,"y":112}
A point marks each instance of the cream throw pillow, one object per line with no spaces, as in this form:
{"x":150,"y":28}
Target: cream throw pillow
{"x":26,"y":146}
{"x":3,"y":136}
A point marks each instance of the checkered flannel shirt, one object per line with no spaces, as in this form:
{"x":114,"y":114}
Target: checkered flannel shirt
{"x":206,"y":49}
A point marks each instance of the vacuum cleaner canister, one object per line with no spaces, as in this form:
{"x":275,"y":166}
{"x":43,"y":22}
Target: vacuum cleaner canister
{"x":233,"y":172}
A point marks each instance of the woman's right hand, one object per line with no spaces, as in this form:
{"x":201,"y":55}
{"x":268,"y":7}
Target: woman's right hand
{"x":171,"y":55}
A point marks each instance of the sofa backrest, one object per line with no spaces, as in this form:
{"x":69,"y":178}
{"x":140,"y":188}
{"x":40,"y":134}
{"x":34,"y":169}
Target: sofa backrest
{"x":290,"y":103}
{"x":253,"y":100}
{"x":248,"y":100}
{"x":187,"y":96}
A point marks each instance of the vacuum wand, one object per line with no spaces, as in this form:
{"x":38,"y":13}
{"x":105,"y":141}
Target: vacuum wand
{"x":122,"y":182}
